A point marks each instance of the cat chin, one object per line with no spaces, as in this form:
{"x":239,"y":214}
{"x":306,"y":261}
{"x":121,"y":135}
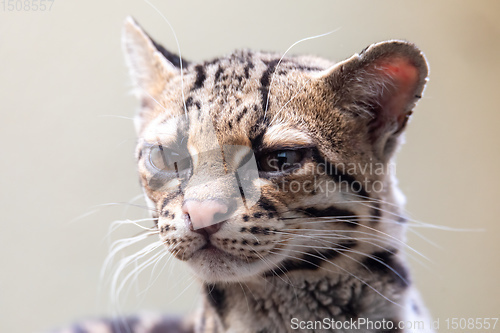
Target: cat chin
{"x":219,"y":266}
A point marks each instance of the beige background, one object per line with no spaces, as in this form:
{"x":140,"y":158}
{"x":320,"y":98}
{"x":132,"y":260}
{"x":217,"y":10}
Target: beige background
{"x":67,"y":145}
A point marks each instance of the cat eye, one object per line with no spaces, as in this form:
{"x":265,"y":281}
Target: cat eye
{"x":169,"y":160}
{"x":281,"y":160}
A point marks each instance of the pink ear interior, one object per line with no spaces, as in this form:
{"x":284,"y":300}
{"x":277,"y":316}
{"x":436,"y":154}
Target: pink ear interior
{"x":402,"y":77}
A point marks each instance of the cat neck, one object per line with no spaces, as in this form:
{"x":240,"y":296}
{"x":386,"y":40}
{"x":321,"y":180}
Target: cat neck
{"x":281,"y":302}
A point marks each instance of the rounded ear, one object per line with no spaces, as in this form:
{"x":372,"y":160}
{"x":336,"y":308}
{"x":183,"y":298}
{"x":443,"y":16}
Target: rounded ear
{"x":150,"y":64}
{"x":384,"y":82}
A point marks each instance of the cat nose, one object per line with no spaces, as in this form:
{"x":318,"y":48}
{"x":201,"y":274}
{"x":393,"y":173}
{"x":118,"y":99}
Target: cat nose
{"x":205,"y":217}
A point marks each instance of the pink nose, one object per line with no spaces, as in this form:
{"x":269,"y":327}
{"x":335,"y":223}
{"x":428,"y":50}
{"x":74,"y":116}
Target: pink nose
{"x":204,"y":216}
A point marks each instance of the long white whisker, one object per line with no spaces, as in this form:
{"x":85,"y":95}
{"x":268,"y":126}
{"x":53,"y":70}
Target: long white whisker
{"x":416,"y":222}
{"x":115,"y":116}
{"x":281,"y":59}
{"x":115,"y":287}
{"x":291,"y":99}
{"x":118,"y":246}
{"x":342,"y":269}
{"x":181,"y":62}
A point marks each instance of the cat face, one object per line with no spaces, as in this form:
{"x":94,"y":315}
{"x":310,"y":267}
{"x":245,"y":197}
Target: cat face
{"x":258,"y":165}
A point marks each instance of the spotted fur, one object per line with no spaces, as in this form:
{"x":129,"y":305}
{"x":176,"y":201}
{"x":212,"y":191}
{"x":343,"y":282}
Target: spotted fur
{"x":305,"y":252}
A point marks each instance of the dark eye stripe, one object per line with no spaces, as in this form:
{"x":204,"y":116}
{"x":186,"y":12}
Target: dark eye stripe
{"x":338,"y":175}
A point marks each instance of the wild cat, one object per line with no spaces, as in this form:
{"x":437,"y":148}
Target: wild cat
{"x":270,"y":176}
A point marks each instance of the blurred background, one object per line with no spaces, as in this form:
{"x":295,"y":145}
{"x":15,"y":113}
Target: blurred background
{"x":67,"y":141}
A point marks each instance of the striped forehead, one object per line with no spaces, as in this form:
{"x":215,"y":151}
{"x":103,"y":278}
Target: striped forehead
{"x":226,"y":99}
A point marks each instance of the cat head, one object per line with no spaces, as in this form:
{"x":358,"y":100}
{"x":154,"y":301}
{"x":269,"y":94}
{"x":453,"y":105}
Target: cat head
{"x":251,"y":160}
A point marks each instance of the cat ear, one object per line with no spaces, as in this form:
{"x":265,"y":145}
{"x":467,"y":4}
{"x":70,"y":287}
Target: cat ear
{"x":150,"y":65}
{"x":383,"y":82}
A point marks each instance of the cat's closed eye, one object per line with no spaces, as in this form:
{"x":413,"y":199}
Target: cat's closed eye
{"x":168,"y":160}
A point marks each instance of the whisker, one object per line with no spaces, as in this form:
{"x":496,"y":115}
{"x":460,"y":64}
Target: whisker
{"x":281,"y":59}
{"x":367,"y":240}
{"x":271,"y":266}
{"x":291,"y":99}
{"x":387,"y":235}
{"x":117,"y":288}
{"x":127,"y":204}
{"x":418,"y":223}
{"x":118,"y":246}
{"x":178,"y":51}
{"x":115,"y":116}
{"x":366,"y":255}
{"x":116,"y":224}
{"x":344,"y":270}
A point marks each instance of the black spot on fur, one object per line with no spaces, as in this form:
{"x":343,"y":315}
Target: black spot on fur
{"x":257,"y":132}
{"x":190,"y":102}
{"x":309,"y":261}
{"x":167,"y":199}
{"x":348,"y":244}
{"x":376,"y":212}
{"x":265,"y":80}
{"x":216,"y":298}
{"x":173,"y":58}
{"x":220,"y":70}
{"x":385,"y":263}
{"x":334,"y":212}
{"x":200,"y":77}
{"x":249,"y":65}
{"x":241,"y":114}
{"x":267,"y":205}
{"x":165,"y":203}
{"x":255,"y":230}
